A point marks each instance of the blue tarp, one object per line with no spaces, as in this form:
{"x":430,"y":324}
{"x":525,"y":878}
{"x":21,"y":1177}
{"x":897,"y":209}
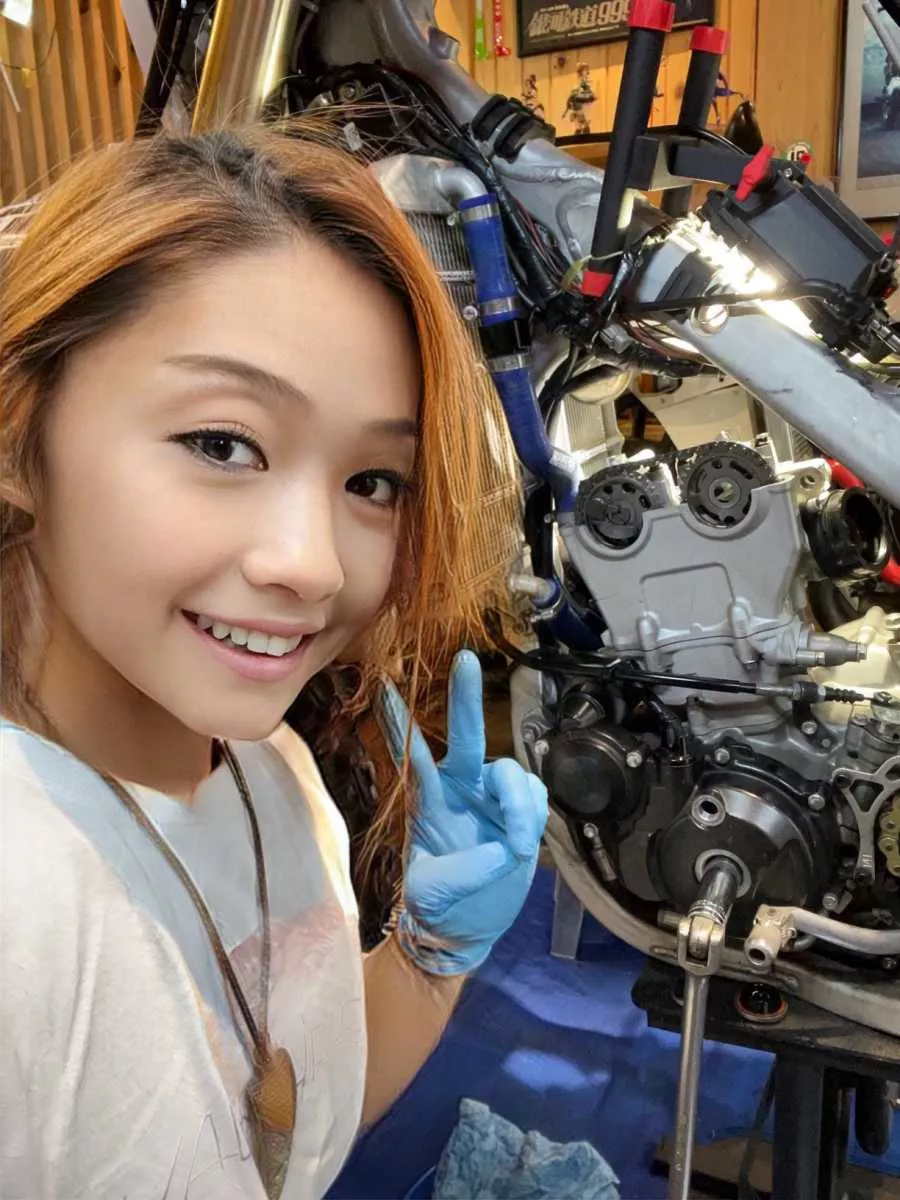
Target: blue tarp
{"x":558,"y":1047}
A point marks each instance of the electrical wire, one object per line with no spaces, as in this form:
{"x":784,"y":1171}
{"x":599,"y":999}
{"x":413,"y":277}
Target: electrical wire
{"x":173,"y":30}
{"x":811,"y":290}
{"x":446,"y":135}
{"x":608,"y":664}
{"x":558,"y":377}
{"x":44,"y":57}
{"x":572,"y":384}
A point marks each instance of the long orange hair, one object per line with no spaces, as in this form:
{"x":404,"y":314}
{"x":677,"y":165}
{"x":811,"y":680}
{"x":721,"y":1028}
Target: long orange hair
{"x":127,"y":221}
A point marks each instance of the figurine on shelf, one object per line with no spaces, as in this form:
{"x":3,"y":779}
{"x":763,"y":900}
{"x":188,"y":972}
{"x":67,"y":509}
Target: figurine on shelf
{"x":580,"y":99}
{"x":723,"y":92}
{"x":530,"y":97}
{"x":501,"y":50}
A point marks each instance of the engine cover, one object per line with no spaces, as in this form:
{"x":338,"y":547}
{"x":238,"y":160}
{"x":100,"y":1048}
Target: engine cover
{"x":688,"y":596}
{"x":763,"y":823}
{"x":594,"y":773}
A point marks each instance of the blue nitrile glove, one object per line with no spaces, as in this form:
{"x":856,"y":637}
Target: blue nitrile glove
{"x":472,"y":838}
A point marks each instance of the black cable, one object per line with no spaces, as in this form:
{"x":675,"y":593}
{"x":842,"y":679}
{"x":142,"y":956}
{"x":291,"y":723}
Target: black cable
{"x":557,"y":378}
{"x":447,"y":135}
{"x":582,"y":379}
{"x":805,"y":291}
{"x":158,"y":82}
{"x":674,"y":738}
{"x":616,"y":669}
{"x":539,"y":530}
{"x":40,"y":64}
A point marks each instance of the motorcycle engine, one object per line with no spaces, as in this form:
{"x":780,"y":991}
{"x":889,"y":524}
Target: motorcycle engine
{"x":700,"y":564}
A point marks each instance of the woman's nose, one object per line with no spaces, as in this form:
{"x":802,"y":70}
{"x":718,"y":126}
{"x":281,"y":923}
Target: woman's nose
{"x":296,"y":548}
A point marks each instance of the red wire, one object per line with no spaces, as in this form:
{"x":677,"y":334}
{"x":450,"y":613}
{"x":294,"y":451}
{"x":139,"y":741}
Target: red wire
{"x":843,"y":476}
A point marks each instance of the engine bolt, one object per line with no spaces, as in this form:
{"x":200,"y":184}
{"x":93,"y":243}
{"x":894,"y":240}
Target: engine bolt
{"x":541,"y":748}
{"x":830,"y":901}
{"x":590,"y":832}
{"x":722,"y":756}
{"x":816,"y":801}
{"x":889,"y":964}
{"x":470,"y":313}
{"x":634,"y":759}
{"x":809,"y":728}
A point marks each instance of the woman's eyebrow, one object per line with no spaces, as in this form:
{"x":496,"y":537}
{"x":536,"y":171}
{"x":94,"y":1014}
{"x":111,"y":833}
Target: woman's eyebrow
{"x":270,"y":386}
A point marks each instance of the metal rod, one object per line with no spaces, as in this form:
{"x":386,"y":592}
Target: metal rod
{"x":696,"y":996}
{"x":246,"y":62}
{"x":650,"y":21}
{"x":796,"y":1149}
{"x":718,"y":890}
{"x":700,"y":938}
{"x":707,"y":47}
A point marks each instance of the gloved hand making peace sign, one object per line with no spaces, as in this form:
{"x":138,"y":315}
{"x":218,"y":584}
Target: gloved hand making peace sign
{"x":473,"y":835}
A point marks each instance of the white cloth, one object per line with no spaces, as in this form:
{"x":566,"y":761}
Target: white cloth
{"x":121,"y":1071}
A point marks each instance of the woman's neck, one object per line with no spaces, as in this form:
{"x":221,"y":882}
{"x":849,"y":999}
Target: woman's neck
{"x":107,"y":723}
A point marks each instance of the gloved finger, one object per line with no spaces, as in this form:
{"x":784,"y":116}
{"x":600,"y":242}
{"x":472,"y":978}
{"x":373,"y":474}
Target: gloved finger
{"x":541,"y":800}
{"x":464,"y":759}
{"x":395,"y":722}
{"x":519,"y":807}
{"x":441,"y":881}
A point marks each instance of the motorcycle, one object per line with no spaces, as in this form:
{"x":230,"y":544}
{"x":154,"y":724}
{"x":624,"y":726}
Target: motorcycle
{"x":713,"y":694}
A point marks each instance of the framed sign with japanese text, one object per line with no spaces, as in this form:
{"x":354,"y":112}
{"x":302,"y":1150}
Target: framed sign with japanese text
{"x":558,"y":26}
{"x":869,"y":170}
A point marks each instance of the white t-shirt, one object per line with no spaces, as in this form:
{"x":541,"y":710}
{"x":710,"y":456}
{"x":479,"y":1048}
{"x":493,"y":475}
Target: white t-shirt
{"x":121,"y":1071}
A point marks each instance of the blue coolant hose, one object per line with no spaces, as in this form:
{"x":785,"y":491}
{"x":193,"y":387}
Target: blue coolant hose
{"x":508,"y":361}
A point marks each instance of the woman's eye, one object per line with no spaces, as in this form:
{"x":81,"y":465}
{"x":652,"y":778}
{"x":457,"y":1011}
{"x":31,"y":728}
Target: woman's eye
{"x":224,"y":449}
{"x":380,"y":487}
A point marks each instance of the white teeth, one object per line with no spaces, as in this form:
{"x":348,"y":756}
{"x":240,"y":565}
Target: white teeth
{"x":280,"y":645}
{"x":253,"y":640}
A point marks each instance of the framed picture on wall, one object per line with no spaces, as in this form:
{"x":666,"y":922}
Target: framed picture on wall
{"x":559,"y":26}
{"x":869,"y":157}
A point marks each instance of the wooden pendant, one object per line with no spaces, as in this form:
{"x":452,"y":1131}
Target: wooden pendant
{"x":272,"y":1111}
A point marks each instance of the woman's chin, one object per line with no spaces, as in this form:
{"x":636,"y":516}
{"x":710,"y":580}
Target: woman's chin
{"x":253,"y":723}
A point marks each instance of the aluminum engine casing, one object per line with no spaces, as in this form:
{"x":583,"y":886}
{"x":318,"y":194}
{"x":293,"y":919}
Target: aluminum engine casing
{"x":692,"y":599}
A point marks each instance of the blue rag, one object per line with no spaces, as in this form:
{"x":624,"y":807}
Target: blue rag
{"x":488,"y":1158}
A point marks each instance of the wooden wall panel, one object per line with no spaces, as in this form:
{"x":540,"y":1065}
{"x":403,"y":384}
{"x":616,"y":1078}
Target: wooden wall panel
{"x":72,"y":82}
{"x":783,"y":55}
{"x":76,"y":81}
{"x":13,"y":171}
{"x":797,"y":76}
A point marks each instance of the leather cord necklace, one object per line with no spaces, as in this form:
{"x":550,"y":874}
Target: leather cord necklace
{"x":271,"y":1094}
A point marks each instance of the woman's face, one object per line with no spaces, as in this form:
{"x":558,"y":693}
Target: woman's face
{"x":221,"y":513}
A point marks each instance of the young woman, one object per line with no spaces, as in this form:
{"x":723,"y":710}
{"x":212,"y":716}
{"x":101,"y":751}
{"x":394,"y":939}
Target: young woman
{"x":239,"y":438}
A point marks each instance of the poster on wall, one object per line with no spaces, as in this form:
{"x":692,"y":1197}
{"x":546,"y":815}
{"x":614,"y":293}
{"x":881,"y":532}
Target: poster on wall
{"x":869,"y":172}
{"x":558,"y":26}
